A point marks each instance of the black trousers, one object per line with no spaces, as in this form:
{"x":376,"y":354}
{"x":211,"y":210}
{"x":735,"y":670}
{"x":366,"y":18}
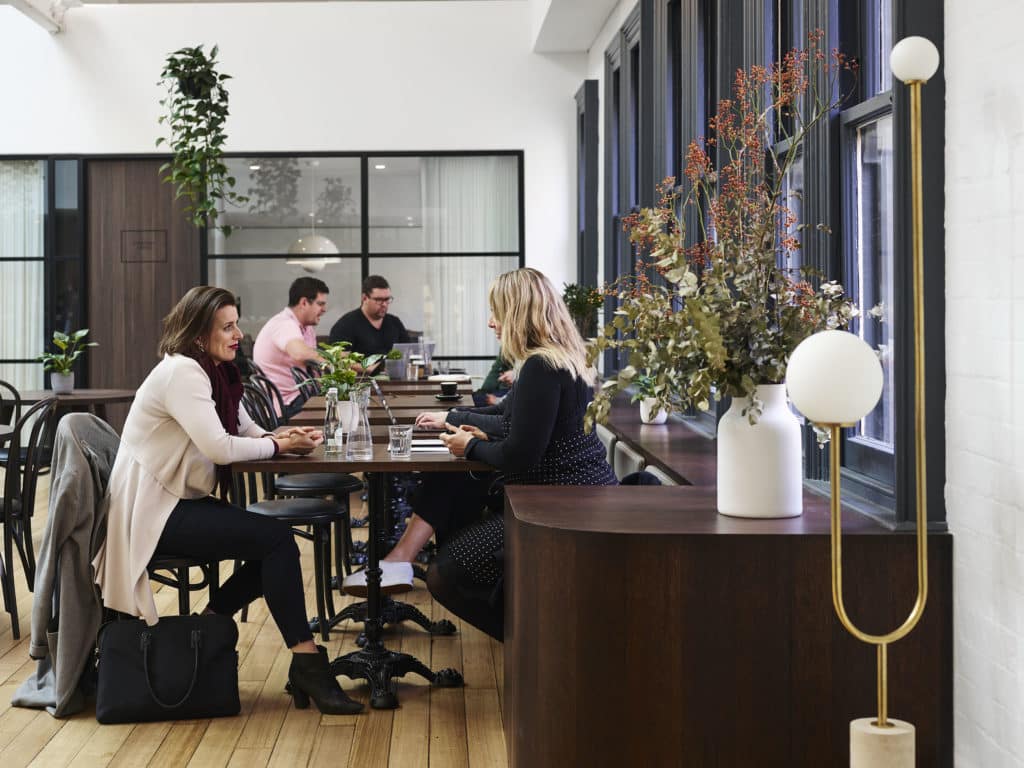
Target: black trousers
{"x":465,"y":576}
{"x":215,"y":530}
{"x":450,"y":502}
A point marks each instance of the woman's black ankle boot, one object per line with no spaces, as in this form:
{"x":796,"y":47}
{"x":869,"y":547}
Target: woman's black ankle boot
{"x":309,"y":677}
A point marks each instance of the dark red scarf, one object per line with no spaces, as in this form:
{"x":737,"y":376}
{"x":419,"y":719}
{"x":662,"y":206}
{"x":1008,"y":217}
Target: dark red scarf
{"x":226,"y":381}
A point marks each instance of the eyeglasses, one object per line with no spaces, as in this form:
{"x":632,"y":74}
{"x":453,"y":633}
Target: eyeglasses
{"x":381,"y":300}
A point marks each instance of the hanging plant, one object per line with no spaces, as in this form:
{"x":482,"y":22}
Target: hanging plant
{"x":197,"y":108}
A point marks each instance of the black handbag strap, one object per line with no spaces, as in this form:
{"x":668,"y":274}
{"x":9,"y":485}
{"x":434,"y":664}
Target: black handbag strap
{"x":146,"y":639}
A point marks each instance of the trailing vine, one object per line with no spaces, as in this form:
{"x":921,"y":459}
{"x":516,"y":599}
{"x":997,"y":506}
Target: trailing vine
{"x":197,"y":108}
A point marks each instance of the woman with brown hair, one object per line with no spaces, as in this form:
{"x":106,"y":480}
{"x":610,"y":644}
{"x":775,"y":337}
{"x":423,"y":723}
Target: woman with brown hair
{"x":185,"y":428}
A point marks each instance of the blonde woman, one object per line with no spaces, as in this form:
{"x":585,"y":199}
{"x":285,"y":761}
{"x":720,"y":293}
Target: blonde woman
{"x":534,"y":437}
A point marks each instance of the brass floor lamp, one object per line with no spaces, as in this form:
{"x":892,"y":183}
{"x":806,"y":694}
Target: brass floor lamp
{"x":834,"y":379}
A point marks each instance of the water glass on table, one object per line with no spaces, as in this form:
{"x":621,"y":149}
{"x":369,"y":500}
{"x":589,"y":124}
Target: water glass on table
{"x":400,"y":440}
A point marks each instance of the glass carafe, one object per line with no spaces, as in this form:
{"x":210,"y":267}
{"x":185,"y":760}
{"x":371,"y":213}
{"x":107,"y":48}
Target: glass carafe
{"x":360,"y":440}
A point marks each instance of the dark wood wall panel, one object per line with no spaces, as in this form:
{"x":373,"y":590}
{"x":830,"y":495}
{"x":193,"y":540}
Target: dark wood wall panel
{"x":142,"y":256}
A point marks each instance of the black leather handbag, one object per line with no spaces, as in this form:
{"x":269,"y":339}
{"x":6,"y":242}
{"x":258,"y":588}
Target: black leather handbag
{"x":183,"y":667}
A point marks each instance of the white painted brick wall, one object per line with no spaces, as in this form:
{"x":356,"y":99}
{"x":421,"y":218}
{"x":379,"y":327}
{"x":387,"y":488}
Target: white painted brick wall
{"x":985,"y":374}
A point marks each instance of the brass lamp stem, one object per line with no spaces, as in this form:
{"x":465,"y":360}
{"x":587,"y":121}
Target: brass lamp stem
{"x":882,"y":641}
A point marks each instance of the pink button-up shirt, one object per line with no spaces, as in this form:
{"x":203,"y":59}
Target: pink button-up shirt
{"x":269,"y":351}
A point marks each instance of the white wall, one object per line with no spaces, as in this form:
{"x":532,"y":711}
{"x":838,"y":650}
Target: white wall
{"x":985,"y":375}
{"x":313,"y":76}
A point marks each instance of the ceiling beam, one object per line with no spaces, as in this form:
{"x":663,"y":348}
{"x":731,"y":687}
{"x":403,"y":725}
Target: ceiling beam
{"x":567,"y":26}
{"x":50,"y":18}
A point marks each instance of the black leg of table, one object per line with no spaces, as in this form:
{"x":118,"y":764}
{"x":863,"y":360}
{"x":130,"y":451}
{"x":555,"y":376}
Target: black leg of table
{"x":392,"y":612}
{"x":375,"y":663}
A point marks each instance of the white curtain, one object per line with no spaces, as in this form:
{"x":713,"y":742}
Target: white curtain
{"x":470,"y":205}
{"x":22,"y":215}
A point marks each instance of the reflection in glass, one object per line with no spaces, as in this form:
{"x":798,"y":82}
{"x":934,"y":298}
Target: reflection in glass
{"x":22,"y":208}
{"x":873,"y":243}
{"x":793,"y":200}
{"x":287,"y":196}
{"x":262,"y":288}
{"x":446,"y":299}
{"x":24,"y":377}
{"x":21,"y":309}
{"x":444,"y":204}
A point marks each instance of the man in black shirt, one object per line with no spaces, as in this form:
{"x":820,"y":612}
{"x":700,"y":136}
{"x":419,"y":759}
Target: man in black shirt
{"x":370,"y":329}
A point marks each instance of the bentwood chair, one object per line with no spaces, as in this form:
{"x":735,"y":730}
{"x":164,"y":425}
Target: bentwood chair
{"x":10,"y":413}
{"x":27,"y":454}
{"x":269,"y":389}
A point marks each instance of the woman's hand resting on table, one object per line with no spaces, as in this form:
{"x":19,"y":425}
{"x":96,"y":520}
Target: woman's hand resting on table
{"x":460,"y":437}
{"x":299,"y":440}
{"x":431,"y":420}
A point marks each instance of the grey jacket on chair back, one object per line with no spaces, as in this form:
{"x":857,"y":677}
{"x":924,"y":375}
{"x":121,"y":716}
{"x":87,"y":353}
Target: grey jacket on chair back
{"x":67,"y":609}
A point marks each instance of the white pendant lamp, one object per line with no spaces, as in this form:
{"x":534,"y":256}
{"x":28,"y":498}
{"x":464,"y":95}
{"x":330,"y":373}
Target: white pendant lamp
{"x":313,"y":252}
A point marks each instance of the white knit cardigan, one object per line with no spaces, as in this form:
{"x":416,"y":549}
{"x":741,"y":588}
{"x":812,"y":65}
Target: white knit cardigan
{"x":170,"y":444}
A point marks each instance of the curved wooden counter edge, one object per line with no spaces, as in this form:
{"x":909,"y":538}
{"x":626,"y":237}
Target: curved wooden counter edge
{"x":636,"y":633}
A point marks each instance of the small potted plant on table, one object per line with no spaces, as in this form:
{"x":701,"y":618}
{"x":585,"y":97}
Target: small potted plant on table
{"x":61,"y":364}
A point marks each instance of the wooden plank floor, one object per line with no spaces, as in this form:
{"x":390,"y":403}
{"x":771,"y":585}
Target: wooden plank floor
{"x":433,"y":728}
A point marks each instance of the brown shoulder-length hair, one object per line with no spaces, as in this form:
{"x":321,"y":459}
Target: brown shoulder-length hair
{"x":192,"y":319}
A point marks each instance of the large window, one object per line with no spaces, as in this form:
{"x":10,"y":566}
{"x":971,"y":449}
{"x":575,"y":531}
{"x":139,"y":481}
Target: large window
{"x":851,"y":177}
{"x":23,"y":193}
{"x":439,"y":227}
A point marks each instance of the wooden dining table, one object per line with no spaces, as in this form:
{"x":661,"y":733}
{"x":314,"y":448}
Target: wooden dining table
{"x":94,"y":401}
{"x":374,"y":662}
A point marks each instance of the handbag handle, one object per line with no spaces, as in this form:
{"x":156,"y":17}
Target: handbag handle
{"x":145,"y":639}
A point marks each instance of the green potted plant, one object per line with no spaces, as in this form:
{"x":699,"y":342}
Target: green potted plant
{"x":61,"y":364}
{"x":583,"y":301}
{"x":197,"y":108}
{"x":645,"y":391}
{"x":717,"y":313}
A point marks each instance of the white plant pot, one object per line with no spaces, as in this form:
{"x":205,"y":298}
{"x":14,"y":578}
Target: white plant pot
{"x":648,"y":414}
{"x":348,"y":411}
{"x":62,"y":383}
{"x":760,"y":466}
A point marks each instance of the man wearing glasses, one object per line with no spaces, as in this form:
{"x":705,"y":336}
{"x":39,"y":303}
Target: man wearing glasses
{"x":370,"y":329}
{"x":289,"y":339}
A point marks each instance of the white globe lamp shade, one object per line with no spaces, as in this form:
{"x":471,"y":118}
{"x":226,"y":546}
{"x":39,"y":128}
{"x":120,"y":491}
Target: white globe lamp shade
{"x":834,"y":377}
{"x":914,"y":58}
{"x":312,"y":245}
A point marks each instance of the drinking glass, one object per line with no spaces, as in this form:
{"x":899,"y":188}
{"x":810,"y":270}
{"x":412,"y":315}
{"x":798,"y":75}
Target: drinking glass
{"x":400,"y":441}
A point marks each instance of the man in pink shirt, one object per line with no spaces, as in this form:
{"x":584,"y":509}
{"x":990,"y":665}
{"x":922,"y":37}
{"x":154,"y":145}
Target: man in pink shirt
{"x":289,"y":338}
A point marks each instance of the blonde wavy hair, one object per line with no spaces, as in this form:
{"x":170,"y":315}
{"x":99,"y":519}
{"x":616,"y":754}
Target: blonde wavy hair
{"x":534,"y":321}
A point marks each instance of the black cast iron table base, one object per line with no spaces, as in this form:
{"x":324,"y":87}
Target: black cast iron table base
{"x":377,"y":666}
{"x":391,"y":612}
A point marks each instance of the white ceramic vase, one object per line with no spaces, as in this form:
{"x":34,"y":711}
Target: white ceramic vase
{"x":62,"y":383}
{"x":647,"y":413}
{"x":760,"y":465}
{"x":347,"y":412}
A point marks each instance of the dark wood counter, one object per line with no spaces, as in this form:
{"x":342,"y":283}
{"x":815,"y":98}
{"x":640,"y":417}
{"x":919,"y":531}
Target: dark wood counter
{"x":643,"y":628}
{"x":684,"y":453}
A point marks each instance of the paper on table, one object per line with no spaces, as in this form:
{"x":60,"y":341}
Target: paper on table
{"x":427,"y":441}
{"x":429,"y":449}
{"x":449,"y":377}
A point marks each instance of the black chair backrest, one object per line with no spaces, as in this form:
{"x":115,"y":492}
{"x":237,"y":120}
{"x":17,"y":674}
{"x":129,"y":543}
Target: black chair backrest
{"x":258,"y":406}
{"x":269,"y":389}
{"x":22,"y":474}
{"x":10,"y":405}
{"x":307,"y":388}
{"x":255,"y":370}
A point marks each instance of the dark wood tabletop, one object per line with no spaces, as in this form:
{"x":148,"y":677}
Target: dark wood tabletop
{"x":674,"y":446}
{"x":381,"y":462}
{"x":81,"y":396}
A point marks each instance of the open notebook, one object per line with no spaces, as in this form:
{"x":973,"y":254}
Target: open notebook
{"x":428,"y":445}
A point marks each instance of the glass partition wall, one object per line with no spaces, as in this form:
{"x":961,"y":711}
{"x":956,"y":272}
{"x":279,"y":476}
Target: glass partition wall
{"x":439,"y":227}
